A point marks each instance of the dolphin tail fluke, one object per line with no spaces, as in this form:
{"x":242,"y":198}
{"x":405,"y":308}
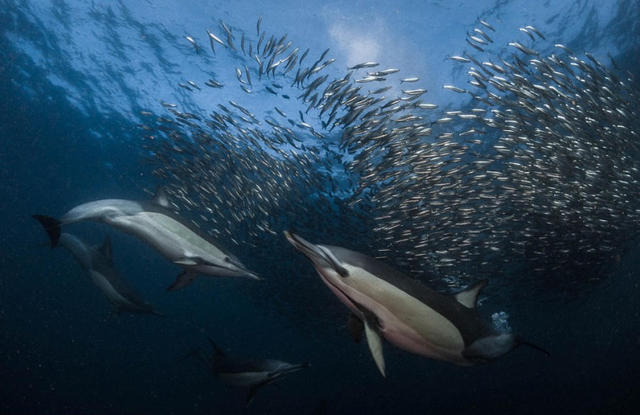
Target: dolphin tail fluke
{"x":252,"y":391}
{"x":521,"y":342}
{"x":52,"y":226}
{"x":185,"y":278}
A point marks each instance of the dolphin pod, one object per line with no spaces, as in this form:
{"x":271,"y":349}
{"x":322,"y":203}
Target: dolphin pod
{"x":98,"y":262}
{"x":384,"y":303}
{"x":408,"y":314}
{"x":156,"y":225}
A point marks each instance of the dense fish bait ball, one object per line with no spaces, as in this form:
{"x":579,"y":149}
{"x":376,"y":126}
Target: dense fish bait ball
{"x":537,"y":175}
{"x":540,"y":171}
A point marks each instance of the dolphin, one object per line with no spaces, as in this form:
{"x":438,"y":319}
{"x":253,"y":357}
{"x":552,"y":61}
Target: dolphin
{"x":408,"y":314}
{"x":98,"y":262}
{"x":246,"y":373}
{"x":156,"y":225}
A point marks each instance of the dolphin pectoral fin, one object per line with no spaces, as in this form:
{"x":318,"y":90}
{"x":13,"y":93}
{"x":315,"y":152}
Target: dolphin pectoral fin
{"x":185,"y":278}
{"x":253,"y":389}
{"x":251,"y":394}
{"x":469,"y":296}
{"x":356,"y":327}
{"x":188,"y":261}
{"x":375,"y":345}
{"x":52,"y":226}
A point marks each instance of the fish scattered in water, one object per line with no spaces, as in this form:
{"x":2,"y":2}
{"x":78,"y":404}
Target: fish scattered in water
{"x":193,"y":43}
{"x":512,"y":178}
{"x":364,"y":65}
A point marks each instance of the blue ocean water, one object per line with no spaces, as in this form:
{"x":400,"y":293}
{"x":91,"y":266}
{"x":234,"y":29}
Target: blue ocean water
{"x":74,"y":77}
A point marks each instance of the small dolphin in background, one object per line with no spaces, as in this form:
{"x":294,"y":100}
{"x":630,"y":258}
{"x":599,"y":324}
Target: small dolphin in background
{"x":98,"y":262}
{"x":411,"y":316}
{"x":152,"y":222}
{"x":246,"y":373}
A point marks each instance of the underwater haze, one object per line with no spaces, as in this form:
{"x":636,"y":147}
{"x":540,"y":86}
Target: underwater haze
{"x":456,"y":142}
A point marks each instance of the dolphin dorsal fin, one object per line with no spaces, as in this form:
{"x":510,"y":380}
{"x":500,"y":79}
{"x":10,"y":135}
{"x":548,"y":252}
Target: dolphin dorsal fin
{"x":106,"y":249}
{"x":161,"y":198}
{"x":469,"y":296}
{"x":217,"y":351}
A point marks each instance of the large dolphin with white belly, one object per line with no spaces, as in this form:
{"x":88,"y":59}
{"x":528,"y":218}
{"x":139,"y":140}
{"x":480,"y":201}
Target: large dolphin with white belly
{"x":156,"y":225}
{"x":411,"y":316}
{"x":98,"y":262}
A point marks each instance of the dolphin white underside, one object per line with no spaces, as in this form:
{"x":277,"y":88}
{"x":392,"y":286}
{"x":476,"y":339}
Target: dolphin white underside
{"x":404,"y":321}
{"x":171,"y":238}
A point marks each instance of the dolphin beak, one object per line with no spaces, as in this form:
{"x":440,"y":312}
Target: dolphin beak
{"x":313,"y":252}
{"x":319,"y":255}
{"x":245,"y":271}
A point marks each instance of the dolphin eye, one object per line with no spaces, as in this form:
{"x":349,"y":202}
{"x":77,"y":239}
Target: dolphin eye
{"x":226,"y":259}
{"x":334,"y":262}
{"x":341,"y":271}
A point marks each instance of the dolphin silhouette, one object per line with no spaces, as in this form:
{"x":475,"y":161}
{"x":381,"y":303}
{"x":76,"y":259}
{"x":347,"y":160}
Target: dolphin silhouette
{"x":245,"y":373}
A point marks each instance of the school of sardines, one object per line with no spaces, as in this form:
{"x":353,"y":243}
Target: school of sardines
{"x":534,"y":176}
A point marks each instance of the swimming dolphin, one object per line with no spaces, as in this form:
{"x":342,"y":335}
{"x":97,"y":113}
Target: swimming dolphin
{"x":152,"y":222}
{"x":246,"y":373}
{"x":411,"y":316}
{"x":98,"y":262}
